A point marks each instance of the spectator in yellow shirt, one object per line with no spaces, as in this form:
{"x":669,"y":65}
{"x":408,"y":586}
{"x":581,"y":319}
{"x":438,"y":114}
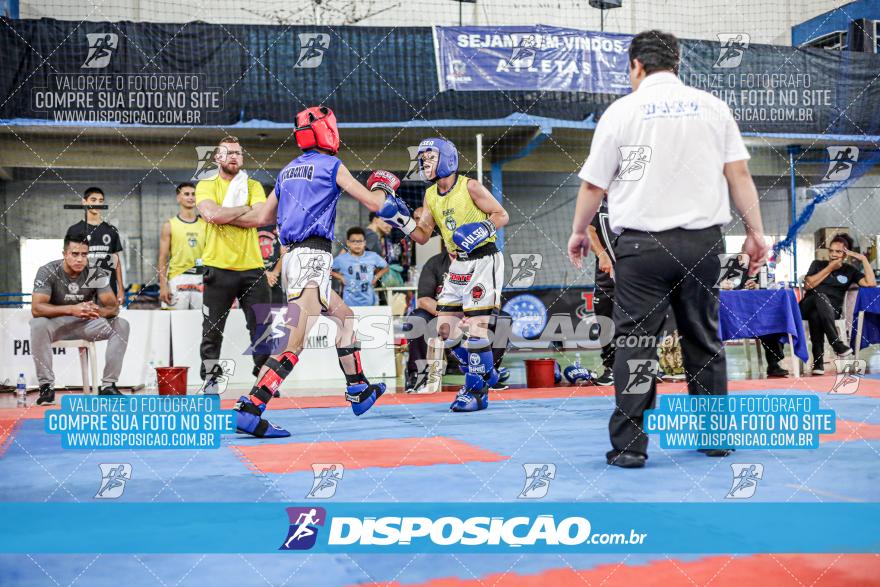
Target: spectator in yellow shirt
{"x":232,"y":260}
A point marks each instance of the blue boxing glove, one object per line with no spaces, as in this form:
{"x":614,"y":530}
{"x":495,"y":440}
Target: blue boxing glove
{"x":468,"y":236}
{"x":577,"y":375}
{"x":395,"y":212}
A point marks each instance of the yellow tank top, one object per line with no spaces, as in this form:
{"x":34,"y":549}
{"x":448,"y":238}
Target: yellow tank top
{"x":452,"y":209}
{"x":187,"y":244}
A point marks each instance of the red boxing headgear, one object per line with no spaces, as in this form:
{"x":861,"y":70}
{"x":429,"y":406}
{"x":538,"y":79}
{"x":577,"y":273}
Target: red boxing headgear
{"x":316,"y":127}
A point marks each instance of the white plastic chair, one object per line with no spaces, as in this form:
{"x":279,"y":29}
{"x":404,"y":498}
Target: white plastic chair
{"x":88,"y":357}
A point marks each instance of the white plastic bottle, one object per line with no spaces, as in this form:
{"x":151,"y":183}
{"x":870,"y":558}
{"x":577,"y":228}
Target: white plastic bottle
{"x":152,"y":384}
{"x":21,"y":392}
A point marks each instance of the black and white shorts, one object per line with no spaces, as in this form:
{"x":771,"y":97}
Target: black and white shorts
{"x":473,"y":286}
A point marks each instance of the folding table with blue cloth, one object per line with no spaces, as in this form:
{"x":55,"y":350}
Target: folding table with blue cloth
{"x":866,"y":318}
{"x":773,"y":316}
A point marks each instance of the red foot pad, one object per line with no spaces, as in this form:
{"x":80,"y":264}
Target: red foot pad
{"x":360,"y":454}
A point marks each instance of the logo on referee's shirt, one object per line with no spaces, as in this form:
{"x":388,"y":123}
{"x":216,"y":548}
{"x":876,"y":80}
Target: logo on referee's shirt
{"x":101,"y":49}
{"x":732,"y":48}
{"x":849,"y":376}
{"x":206,"y":163}
{"x":843,"y":159}
{"x":312,"y":47}
{"x":642,"y":373}
{"x":745,"y":480}
{"x":633,"y":160}
{"x":538,"y":478}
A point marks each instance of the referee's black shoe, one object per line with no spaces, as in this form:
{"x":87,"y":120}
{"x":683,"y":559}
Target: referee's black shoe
{"x":626,"y":460}
{"x":109,"y":390}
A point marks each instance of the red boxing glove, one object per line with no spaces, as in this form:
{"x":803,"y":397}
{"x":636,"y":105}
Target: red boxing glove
{"x":383,"y":180}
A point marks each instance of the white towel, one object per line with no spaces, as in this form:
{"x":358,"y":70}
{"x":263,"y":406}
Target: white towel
{"x":237,"y":194}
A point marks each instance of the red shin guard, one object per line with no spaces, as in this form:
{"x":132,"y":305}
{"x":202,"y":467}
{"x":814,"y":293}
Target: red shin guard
{"x":278,"y":369}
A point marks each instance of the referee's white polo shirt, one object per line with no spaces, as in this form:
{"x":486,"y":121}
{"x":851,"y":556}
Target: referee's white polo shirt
{"x":689,"y":134}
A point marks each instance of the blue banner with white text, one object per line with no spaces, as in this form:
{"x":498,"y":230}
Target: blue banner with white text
{"x":532,"y":58}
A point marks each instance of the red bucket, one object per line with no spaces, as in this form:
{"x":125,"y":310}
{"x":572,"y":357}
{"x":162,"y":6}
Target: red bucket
{"x":172,"y":380}
{"x":540,"y":372}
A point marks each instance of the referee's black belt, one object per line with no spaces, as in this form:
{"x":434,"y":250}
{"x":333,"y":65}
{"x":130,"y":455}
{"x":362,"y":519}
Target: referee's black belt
{"x":312,"y":242}
{"x":478,"y":253}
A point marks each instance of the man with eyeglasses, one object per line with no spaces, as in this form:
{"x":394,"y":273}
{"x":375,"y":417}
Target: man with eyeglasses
{"x":232,"y":259}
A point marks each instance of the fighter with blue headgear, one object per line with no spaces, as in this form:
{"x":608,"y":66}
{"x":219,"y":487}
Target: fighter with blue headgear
{"x":467,"y":216}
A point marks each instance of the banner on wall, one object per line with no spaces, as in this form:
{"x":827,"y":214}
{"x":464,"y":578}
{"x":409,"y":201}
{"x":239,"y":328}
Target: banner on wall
{"x":539,"y":57}
{"x":118,"y":74}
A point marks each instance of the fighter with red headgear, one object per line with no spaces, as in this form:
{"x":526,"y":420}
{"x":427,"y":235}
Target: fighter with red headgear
{"x":305,"y":197}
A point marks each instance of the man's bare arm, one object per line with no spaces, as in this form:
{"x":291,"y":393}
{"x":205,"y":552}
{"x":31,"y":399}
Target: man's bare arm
{"x":372,"y":199}
{"x":262,"y":214}
{"x":589,"y":199}
{"x":42,"y":308}
{"x":212,"y":213}
{"x":745,"y":199}
{"x":486,"y":202}
{"x":428,"y":304}
{"x":424,"y":226}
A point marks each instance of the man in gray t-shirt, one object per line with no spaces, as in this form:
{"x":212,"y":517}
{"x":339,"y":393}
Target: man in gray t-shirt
{"x":64,"y":308}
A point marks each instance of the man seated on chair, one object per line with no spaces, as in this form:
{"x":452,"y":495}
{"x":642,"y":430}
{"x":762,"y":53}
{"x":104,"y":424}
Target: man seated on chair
{"x":64,"y":308}
{"x":826,"y":284}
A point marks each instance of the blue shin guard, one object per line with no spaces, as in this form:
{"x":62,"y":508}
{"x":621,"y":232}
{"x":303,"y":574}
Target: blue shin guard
{"x":481,"y":361}
{"x":462,"y":354}
{"x":249,"y":420}
{"x":363,"y":395}
{"x":474,"y":396}
{"x":477,"y":363}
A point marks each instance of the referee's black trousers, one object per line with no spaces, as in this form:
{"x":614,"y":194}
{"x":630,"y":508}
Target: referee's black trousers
{"x":654,"y":271}
{"x":222,"y":287}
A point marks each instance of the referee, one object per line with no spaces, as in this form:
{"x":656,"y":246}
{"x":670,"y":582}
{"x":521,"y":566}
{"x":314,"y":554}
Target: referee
{"x":669,"y":157}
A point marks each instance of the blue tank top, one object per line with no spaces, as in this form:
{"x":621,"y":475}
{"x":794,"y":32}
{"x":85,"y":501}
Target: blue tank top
{"x":307,"y":196}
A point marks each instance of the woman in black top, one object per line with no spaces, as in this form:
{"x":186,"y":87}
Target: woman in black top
{"x":827,"y":283}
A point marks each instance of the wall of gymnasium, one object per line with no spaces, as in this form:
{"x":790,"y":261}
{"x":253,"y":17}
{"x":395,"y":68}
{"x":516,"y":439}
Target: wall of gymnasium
{"x":540,"y":207}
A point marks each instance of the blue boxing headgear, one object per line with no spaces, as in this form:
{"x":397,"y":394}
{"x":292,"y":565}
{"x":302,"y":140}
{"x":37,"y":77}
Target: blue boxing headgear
{"x":447,"y":157}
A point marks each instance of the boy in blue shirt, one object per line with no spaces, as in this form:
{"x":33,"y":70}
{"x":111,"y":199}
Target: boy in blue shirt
{"x":358,"y":270}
